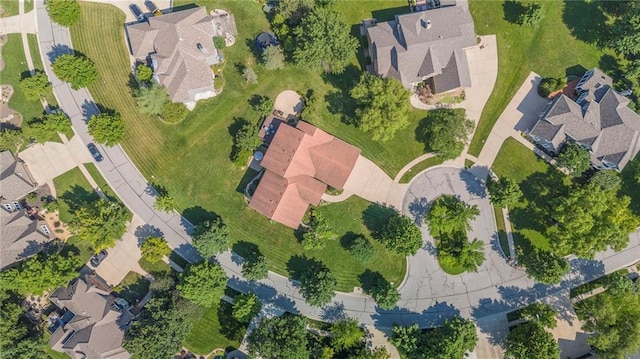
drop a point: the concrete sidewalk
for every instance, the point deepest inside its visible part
(23, 22)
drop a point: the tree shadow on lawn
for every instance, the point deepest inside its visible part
(338, 99)
(375, 217)
(347, 240)
(134, 292)
(197, 215)
(245, 249)
(78, 197)
(586, 21)
(298, 264)
(229, 327)
(630, 186)
(512, 11)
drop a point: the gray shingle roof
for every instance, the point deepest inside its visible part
(20, 237)
(601, 120)
(181, 48)
(422, 44)
(14, 183)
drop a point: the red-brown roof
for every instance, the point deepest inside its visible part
(299, 164)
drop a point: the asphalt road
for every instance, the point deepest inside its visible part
(428, 295)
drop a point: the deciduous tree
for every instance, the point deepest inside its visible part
(279, 337)
(203, 283)
(63, 12)
(40, 273)
(401, 236)
(544, 266)
(540, 313)
(245, 307)
(273, 58)
(606, 180)
(43, 129)
(324, 41)
(164, 203)
(78, 71)
(11, 139)
(574, 158)
(144, 73)
(504, 192)
(255, 267)
(317, 284)
(246, 140)
(471, 255)
(211, 237)
(346, 334)
(456, 337)
(36, 86)
(383, 106)
(154, 248)
(107, 129)
(100, 223)
(448, 214)
(445, 132)
(530, 340)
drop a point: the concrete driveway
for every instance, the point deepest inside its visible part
(123, 258)
(124, 6)
(51, 159)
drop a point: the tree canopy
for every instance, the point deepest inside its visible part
(211, 237)
(246, 140)
(36, 86)
(100, 223)
(445, 132)
(40, 273)
(383, 106)
(450, 341)
(346, 334)
(144, 73)
(78, 71)
(544, 266)
(317, 284)
(324, 41)
(173, 112)
(255, 267)
(107, 129)
(164, 203)
(382, 291)
(154, 248)
(362, 249)
(541, 313)
(203, 283)
(63, 12)
(530, 340)
(273, 58)
(574, 158)
(318, 231)
(279, 337)
(448, 214)
(41, 130)
(401, 236)
(151, 99)
(504, 192)
(245, 307)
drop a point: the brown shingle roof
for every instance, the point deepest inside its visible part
(299, 164)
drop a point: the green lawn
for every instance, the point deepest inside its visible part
(15, 67)
(10, 8)
(102, 183)
(28, 6)
(550, 49)
(32, 39)
(154, 268)
(502, 232)
(419, 167)
(540, 183)
(198, 148)
(216, 328)
(73, 190)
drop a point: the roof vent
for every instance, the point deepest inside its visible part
(425, 23)
(201, 48)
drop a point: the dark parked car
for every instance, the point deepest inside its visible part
(98, 258)
(135, 10)
(152, 7)
(94, 152)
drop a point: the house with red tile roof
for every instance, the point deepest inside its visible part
(299, 164)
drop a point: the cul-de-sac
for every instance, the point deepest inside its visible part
(318, 179)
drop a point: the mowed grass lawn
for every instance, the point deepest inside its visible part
(73, 190)
(191, 159)
(539, 181)
(32, 39)
(550, 49)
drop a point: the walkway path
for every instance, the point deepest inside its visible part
(23, 22)
(410, 165)
(428, 296)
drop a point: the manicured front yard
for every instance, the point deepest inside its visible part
(133, 287)
(73, 190)
(191, 159)
(562, 44)
(419, 167)
(32, 39)
(539, 183)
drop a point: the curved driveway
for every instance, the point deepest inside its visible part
(428, 295)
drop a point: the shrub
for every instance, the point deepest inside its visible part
(273, 58)
(219, 42)
(549, 85)
(151, 99)
(249, 75)
(144, 73)
(173, 112)
(362, 249)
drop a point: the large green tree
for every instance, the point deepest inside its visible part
(246, 140)
(279, 337)
(543, 266)
(541, 313)
(63, 12)
(401, 236)
(100, 223)
(448, 214)
(211, 237)
(107, 129)
(346, 334)
(362, 249)
(11, 139)
(245, 307)
(470, 255)
(380, 289)
(317, 284)
(383, 106)
(78, 71)
(445, 132)
(36, 86)
(318, 231)
(40, 273)
(159, 330)
(154, 248)
(504, 192)
(450, 341)
(324, 41)
(530, 340)
(43, 129)
(574, 158)
(203, 283)
(255, 266)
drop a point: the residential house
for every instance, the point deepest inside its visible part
(298, 166)
(599, 119)
(20, 235)
(179, 47)
(91, 322)
(424, 46)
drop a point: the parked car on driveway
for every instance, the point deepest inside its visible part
(152, 7)
(94, 152)
(135, 10)
(96, 259)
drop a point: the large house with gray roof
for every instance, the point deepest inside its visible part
(91, 322)
(424, 46)
(599, 119)
(179, 47)
(20, 236)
